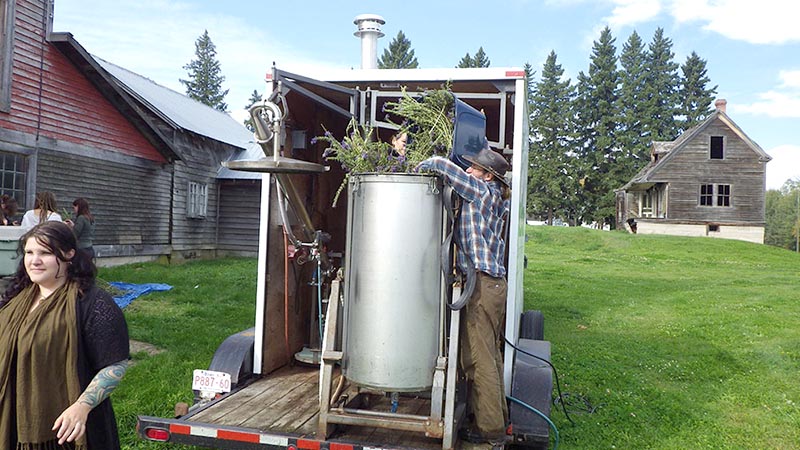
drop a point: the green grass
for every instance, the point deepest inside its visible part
(676, 343)
(209, 301)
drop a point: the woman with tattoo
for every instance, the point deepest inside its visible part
(63, 348)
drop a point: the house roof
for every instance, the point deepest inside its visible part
(179, 110)
(104, 83)
(667, 150)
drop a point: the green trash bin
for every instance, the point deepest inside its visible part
(9, 241)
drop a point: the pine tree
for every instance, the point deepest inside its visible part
(661, 97)
(633, 83)
(205, 82)
(479, 60)
(552, 180)
(399, 55)
(254, 98)
(597, 113)
(695, 99)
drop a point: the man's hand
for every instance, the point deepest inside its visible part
(424, 166)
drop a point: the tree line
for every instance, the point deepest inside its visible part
(588, 137)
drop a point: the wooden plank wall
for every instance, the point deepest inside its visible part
(740, 169)
(239, 209)
(131, 203)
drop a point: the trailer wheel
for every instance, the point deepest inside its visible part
(531, 326)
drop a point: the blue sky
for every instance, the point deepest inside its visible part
(752, 47)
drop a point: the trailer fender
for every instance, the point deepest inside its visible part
(532, 383)
(235, 356)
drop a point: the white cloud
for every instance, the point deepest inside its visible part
(632, 12)
(756, 22)
(785, 165)
(781, 101)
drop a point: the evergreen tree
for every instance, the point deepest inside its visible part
(479, 60)
(695, 98)
(254, 98)
(597, 114)
(399, 55)
(205, 82)
(551, 178)
(661, 97)
(633, 137)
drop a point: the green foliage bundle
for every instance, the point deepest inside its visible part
(428, 122)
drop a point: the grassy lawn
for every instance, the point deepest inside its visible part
(671, 343)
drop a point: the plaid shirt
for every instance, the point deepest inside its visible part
(480, 229)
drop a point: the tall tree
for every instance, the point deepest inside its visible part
(633, 137)
(662, 89)
(479, 60)
(695, 97)
(399, 55)
(205, 82)
(552, 180)
(254, 98)
(597, 114)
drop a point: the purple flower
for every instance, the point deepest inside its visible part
(314, 140)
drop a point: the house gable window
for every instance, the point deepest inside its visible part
(717, 147)
(6, 52)
(715, 195)
(197, 200)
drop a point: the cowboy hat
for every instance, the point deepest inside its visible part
(490, 161)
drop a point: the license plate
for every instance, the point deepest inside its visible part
(209, 380)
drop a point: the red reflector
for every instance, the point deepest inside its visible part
(291, 447)
(157, 434)
(180, 429)
(307, 445)
(515, 73)
(335, 446)
(238, 436)
(269, 76)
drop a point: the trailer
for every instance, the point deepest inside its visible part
(297, 379)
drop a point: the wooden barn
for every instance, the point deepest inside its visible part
(80, 127)
(710, 181)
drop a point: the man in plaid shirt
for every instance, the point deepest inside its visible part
(481, 248)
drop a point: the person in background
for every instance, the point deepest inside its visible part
(83, 226)
(9, 207)
(479, 235)
(399, 141)
(63, 348)
(44, 209)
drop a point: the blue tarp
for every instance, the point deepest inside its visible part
(132, 291)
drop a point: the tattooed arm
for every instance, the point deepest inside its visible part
(71, 424)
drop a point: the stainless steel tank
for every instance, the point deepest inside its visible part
(392, 281)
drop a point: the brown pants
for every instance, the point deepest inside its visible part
(481, 357)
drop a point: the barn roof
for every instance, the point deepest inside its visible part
(179, 110)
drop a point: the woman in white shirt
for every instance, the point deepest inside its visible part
(44, 209)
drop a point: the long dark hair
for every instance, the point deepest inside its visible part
(59, 239)
(83, 208)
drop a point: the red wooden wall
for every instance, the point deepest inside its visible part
(48, 93)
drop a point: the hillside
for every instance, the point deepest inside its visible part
(667, 342)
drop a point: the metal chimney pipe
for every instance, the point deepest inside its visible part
(369, 30)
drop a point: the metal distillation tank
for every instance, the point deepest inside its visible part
(393, 285)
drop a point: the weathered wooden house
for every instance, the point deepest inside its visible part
(710, 181)
(146, 158)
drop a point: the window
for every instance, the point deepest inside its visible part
(706, 195)
(197, 200)
(6, 52)
(13, 169)
(723, 195)
(717, 147)
(711, 192)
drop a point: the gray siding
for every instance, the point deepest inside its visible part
(691, 167)
(130, 201)
(239, 209)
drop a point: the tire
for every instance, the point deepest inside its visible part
(531, 326)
